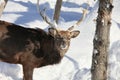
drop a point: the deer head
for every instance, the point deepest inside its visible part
(61, 37)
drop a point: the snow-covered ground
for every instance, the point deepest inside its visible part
(77, 62)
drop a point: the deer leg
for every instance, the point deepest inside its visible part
(27, 72)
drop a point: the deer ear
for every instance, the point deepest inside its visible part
(52, 31)
(74, 34)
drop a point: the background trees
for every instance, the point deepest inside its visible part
(2, 6)
(57, 10)
(101, 41)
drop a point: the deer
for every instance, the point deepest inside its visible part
(34, 48)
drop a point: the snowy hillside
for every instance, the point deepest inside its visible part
(77, 62)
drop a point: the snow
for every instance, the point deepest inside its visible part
(114, 61)
(95, 51)
(77, 62)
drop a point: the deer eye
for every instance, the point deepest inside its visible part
(68, 38)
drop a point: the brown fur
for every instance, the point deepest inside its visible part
(31, 47)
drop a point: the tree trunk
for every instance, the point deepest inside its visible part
(57, 10)
(101, 41)
(2, 6)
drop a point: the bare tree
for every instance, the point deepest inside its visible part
(2, 6)
(101, 41)
(57, 10)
